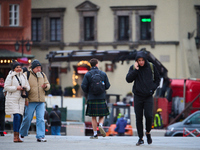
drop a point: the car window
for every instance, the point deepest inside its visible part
(195, 119)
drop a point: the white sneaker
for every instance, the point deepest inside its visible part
(41, 140)
(21, 137)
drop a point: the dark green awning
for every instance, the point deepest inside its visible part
(10, 54)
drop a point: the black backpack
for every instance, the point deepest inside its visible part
(97, 84)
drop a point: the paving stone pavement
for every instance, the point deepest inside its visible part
(102, 143)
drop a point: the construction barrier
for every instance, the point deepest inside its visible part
(194, 133)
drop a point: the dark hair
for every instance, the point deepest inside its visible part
(24, 69)
(93, 62)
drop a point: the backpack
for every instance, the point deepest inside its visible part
(97, 84)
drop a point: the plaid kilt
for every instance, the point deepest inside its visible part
(97, 108)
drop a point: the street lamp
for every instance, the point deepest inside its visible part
(27, 44)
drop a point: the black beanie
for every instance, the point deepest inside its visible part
(15, 64)
(35, 63)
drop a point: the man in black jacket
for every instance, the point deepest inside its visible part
(96, 104)
(146, 80)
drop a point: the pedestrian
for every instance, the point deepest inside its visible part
(158, 122)
(55, 117)
(15, 83)
(35, 101)
(2, 106)
(146, 80)
(94, 84)
(121, 125)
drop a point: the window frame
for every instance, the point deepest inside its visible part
(13, 14)
(140, 13)
(87, 9)
(46, 14)
(117, 14)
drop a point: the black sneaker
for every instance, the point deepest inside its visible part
(140, 141)
(94, 137)
(149, 139)
(1, 133)
(41, 140)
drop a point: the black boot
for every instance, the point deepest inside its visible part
(149, 139)
(1, 134)
(140, 141)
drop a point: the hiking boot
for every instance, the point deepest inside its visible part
(149, 139)
(21, 138)
(102, 131)
(94, 137)
(140, 141)
(41, 140)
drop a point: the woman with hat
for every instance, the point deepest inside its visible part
(15, 83)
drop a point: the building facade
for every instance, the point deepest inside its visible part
(166, 28)
(15, 32)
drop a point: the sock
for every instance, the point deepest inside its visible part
(95, 133)
(100, 124)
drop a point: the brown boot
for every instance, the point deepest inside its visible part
(16, 137)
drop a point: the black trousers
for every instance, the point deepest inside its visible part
(143, 105)
(2, 120)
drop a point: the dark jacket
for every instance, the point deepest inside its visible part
(144, 84)
(55, 119)
(121, 125)
(2, 99)
(86, 84)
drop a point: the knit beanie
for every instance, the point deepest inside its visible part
(15, 64)
(35, 63)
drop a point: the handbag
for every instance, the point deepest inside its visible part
(24, 93)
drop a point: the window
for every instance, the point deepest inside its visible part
(123, 29)
(122, 25)
(36, 29)
(55, 29)
(88, 28)
(47, 27)
(14, 15)
(145, 28)
(195, 119)
(88, 22)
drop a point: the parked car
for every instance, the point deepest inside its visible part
(190, 123)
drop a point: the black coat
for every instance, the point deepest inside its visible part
(144, 84)
(2, 99)
(55, 119)
(86, 84)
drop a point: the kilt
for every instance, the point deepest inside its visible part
(97, 108)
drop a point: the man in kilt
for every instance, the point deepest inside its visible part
(96, 104)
